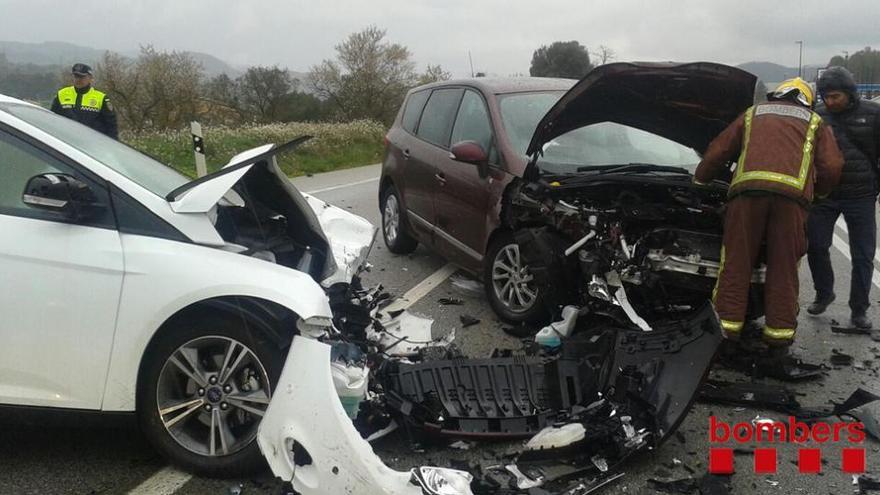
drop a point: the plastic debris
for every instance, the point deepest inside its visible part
(461, 445)
(553, 437)
(468, 320)
(235, 489)
(600, 462)
(839, 358)
(450, 301)
(467, 285)
(523, 482)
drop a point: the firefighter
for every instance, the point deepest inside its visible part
(786, 156)
(85, 104)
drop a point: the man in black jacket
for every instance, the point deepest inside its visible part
(85, 104)
(856, 126)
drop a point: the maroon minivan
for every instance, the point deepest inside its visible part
(452, 150)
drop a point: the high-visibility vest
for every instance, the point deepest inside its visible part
(92, 100)
(797, 182)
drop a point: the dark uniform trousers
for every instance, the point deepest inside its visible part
(751, 218)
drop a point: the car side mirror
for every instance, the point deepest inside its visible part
(471, 152)
(61, 193)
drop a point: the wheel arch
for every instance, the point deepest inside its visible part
(272, 321)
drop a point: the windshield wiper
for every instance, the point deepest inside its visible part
(636, 167)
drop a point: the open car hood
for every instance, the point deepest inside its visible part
(200, 195)
(688, 103)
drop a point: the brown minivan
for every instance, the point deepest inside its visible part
(452, 150)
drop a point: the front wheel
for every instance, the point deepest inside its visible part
(510, 287)
(204, 388)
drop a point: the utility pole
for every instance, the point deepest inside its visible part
(800, 56)
(471, 60)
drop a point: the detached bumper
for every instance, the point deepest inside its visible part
(309, 440)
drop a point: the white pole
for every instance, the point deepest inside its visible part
(198, 148)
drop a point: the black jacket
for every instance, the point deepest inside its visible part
(102, 121)
(857, 131)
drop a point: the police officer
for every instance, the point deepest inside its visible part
(786, 155)
(85, 104)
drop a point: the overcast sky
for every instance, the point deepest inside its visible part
(501, 35)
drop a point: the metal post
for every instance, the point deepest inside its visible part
(800, 56)
(198, 148)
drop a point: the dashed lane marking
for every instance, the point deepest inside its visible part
(165, 482)
(342, 186)
(422, 288)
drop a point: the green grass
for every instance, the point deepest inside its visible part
(334, 146)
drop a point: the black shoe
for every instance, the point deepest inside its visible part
(875, 335)
(819, 306)
(861, 321)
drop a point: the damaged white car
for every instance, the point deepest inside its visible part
(126, 287)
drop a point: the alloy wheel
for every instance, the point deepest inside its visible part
(211, 394)
(511, 280)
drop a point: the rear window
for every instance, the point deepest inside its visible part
(413, 110)
(436, 123)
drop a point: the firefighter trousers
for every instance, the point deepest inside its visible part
(751, 219)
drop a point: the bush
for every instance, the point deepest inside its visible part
(333, 146)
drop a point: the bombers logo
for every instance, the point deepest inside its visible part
(721, 460)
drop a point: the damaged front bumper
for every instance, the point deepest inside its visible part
(605, 395)
(309, 440)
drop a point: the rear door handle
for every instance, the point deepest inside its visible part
(406, 154)
(440, 177)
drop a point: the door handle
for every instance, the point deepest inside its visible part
(405, 154)
(441, 178)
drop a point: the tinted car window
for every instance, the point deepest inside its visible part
(413, 110)
(472, 123)
(436, 123)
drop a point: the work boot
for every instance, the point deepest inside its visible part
(875, 335)
(860, 320)
(820, 304)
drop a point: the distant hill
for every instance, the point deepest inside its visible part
(770, 72)
(59, 53)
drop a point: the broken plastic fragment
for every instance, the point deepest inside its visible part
(466, 285)
(468, 320)
(553, 437)
(450, 301)
(640, 322)
(523, 482)
(600, 462)
(552, 334)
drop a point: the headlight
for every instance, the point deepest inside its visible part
(314, 327)
(442, 481)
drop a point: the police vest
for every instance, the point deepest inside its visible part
(92, 100)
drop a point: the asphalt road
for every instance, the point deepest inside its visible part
(93, 460)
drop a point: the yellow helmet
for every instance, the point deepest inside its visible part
(786, 88)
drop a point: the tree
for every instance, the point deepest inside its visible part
(604, 55)
(434, 73)
(864, 64)
(561, 59)
(368, 79)
(262, 90)
(158, 90)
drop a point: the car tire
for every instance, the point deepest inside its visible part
(502, 260)
(394, 227)
(169, 379)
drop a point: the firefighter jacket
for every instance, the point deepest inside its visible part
(783, 148)
(87, 106)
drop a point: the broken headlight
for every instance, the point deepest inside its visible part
(315, 327)
(442, 481)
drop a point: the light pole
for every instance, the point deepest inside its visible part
(800, 56)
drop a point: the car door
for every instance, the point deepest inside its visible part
(462, 197)
(60, 283)
(428, 150)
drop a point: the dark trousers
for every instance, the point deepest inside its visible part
(859, 215)
(749, 221)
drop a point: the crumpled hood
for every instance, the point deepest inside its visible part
(688, 103)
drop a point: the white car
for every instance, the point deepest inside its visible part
(127, 287)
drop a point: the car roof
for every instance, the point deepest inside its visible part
(501, 85)
(9, 99)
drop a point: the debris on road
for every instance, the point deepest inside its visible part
(839, 358)
(467, 285)
(450, 301)
(850, 330)
(468, 320)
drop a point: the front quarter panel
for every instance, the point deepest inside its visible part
(162, 277)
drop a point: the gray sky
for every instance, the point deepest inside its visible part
(501, 35)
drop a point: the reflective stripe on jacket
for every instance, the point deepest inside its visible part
(783, 148)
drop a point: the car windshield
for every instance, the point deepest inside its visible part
(152, 175)
(605, 143)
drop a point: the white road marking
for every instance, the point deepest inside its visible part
(840, 223)
(165, 482)
(422, 288)
(342, 186)
(843, 247)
